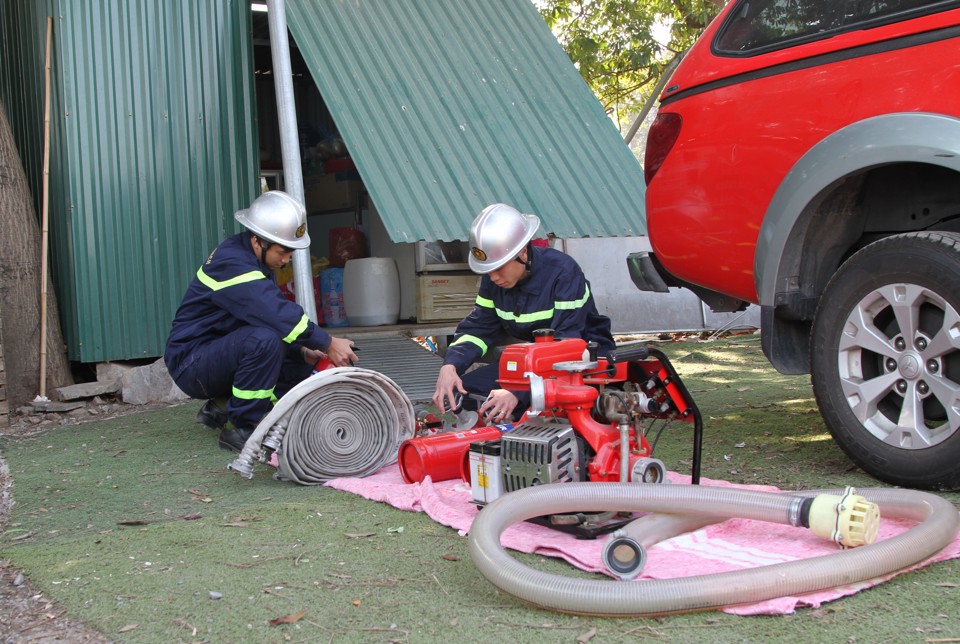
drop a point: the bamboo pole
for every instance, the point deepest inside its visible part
(45, 216)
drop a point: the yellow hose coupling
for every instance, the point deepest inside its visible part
(849, 520)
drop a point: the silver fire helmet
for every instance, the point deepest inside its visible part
(497, 235)
(277, 217)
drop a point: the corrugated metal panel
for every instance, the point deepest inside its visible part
(400, 358)
(23, 28)
(449, 105)
(154, 147)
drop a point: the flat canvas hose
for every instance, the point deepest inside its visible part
(939, 524)
(342, 422)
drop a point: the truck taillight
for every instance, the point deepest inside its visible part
(663, 134)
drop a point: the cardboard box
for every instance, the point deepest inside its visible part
(326, 193)
(446, 296)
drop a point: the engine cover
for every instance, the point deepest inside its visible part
(538, 451)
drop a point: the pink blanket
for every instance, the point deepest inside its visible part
(732, 545)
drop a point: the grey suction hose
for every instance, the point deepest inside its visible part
(342, 422)
(939, 524)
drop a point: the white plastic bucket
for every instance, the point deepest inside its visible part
(371, 291)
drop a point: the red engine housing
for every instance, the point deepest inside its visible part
(566, 383)
(570, 390)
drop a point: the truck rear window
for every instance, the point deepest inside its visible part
(758, 26)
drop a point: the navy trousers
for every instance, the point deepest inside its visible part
(253, 362)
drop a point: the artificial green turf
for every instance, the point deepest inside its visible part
(136, 526)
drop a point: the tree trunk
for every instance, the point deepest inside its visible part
(20, 285)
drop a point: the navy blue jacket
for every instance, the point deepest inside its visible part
(555, 295)
(232, 290)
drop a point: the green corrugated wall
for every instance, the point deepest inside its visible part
(153, 148)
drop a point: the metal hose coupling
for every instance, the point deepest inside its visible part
(342, 422)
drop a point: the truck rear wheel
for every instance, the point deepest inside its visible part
(886, 359)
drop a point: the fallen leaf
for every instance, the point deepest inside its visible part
(133, 522)
(288, 619)
(128, 628)
(589, 635)
(186, 624)
(359, 535)
(192, 517)
(236, 524)
(356, 602)
(449, 557)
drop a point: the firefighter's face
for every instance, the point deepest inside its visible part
(510, 273)
(276, 256)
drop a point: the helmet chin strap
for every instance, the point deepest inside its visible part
(528, 263)
(263, 250)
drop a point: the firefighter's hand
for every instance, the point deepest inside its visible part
(341, 352)
(311, 356)
(498, 407)
(448, 384)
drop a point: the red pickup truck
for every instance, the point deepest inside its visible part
(806, 158)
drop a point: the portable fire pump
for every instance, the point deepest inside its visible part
(590, 419)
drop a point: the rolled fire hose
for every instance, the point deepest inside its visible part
(341, 422)
(939, 524)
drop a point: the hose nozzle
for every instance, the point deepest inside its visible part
(849, 519)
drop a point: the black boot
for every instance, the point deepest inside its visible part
(212, 415)
(234, 439)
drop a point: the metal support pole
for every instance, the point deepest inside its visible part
(290, 144)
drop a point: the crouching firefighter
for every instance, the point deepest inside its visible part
(236, 340)
(524, 289)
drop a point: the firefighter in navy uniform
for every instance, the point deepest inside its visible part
(524, 288)
(235, 337)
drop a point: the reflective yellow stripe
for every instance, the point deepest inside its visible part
(525, 318)
(547, 314)
(214, 285)
(574, 304)
(472, 339)
(297, 330)
(255, 395)
(484, 302)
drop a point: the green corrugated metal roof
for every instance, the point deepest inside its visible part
(449, 105)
